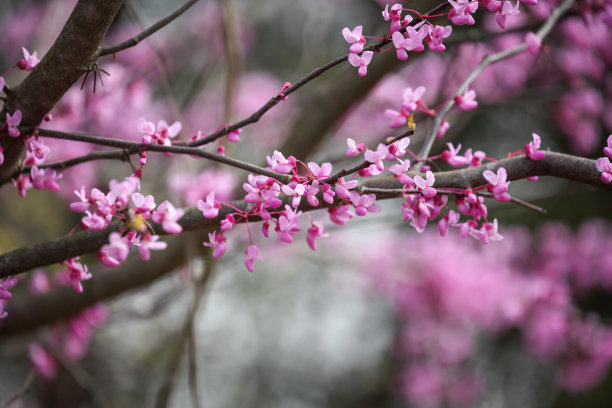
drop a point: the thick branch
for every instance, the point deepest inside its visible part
(74, 51)
(554, 164)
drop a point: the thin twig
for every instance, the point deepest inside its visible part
(486, 61)
(133, 147)
(146, 33)
(23, 391)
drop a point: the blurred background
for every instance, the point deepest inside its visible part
(379, 315)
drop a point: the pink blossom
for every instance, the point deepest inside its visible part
(279, 164)
(296, 190)
(531, 148)
(425, 185)
(250, 256)
(210, 207)
(93, 222)
(451, 156)
(353, 148)
(364, 203)
(44, 363)
(460, 14)
(413, 41)
(506, 10)
(399, 171)
(444, 126)
(498, 185)
(233, 136)
(227, 223)
(487, 232)
(29, 62)
(361, 61)
(314, 232)
(378, 156)
(115, 252)
(287, 224)
(342, 188)
(328, 194)
(340, 215)
(147, 243)
(36, 151)
(44, 178)
(534, 43)
(2, 83)
(395, 15)
(147, 129)
(77, 272)
(5, 286)
(218, 242)
(320, 171)
(311, 193)
(1, 155)
(412, 99)
(449, 219)
(608, 149)
(436, 35)
(355, 38)
(398, 148)
(143, 205)
(167, 215)
(467, 101)
(605, 167)
(12, 122)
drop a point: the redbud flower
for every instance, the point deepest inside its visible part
(436, 35)
(342, 188)
(77, 272)
(449, 219)
(5, 286)
(210, 207)
(353, 148)
(398, 149)
(608, 149)
(44, 178)
(115, 252)
(93, 222)
(425, 185)
(233, 136)
(395, 15)
(498, 185)
(44, 363)
(378, 156)
(218, 242)
(227, 223)
(1, 155)
(531, 148)
(399, 171)
(2, 83)
(444, 126)
(506, 10)
(412, 98)
(460, 13)
(320, 171)
(340, 215)
(355, 38)
(328, 194)
(287, 224)
(36, 151)
(12, 123)
(311, 193)
(364, 203)
(451, 156)
(488, 232)
(296, 190)
(167, 215)
(412, 42)
(467, 101)
(250, 256)
(534, 43)
(149, 242)
(29, 62)
(605, 167)
(314, 232)
(143, 205)
(279, 164)
(361, 62)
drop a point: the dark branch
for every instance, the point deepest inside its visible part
(146, 33)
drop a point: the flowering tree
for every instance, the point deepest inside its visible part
(390, 128)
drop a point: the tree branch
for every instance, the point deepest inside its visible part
(519, 167)
(74, 51)
(148, 32)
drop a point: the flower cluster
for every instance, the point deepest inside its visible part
(161, 134)
(357, 41)
(124, 202)
(603, 163)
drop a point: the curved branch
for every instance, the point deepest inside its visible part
(148, 32)
(519, 167)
